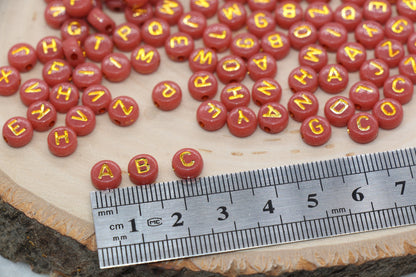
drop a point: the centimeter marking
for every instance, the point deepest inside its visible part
(270, 206)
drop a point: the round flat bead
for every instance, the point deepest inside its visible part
(302, 33)
(192, 23)
(377, 10)
(349, 15)
(97, 98)
(364, 95)
(398, 87)
(126, 36)
(169, 10)
(101, 21)
(41, 115)
(333, 78)
(302, 105)
(266, 90)
(217, 36)
(49, 48)
(276, 43)
(77, 28)
(411, 44)
(167, 95)
(338, 110)
(64, 96)
(264, 5)
(405, 8)
(208, 8)
(369, 33)
(145, 59)
(56, 71)
(332, 35)
(287, 13)
(155, 31)
(233, 14)
(203, 59)
(143, 169)
(17, 131)
(391, 51)
(351, 55)
(231, 69)
(314, 56)
(211, 115)
(106, 174)
(62, 141)
(319, 13)
(303, 78)
(187, 163)
(202, 85)
(81, 119)
(85, 75)
(375, 71)
(22, 56)
(116, 67)
(399, 28)
(235, 95)
(123, 111)
(389, 113)
(77, 8)
(261, 65)
(273, 118)
(260, 23)
(362, 128)
(245, 45)
(407, 67)
(9, 80)
(34, 90)
(73, 52)
(55, 14)
(242, 122)
(138, 15)
(179, 46)
(315, 130)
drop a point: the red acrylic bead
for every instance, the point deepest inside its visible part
(97, 98)
(169, 10)
(202, 85)
(349, 15)
(62, 141)
(302, 33)
(391, 51)
(49, 48)
(193, 23)
(143, 169)
(106, 174)
(266, 90)
(333, 78)
(276, 43)
(85, 75)
(399, 28)
(242, 121)
(187, 163)
(77, 28)
(332, 35)
(315, 130)
(260, 23)
(231, 69)
(115, 5)
(406, 8)
(179, 46)
(77, 8)
(351, 55)
(273, 118)
(217, 36)
(123, 111)
(338, 110)
(369, 33)
(145, 59)
(377, 10)
(34, 90)
(319, 13)
(314, 56)
(73, 52)
(116, 67)
(287, 13)
(97, 46)
(364, 95)
(302, 105)
(208, 7)
(101, 21)
(139, 15)
(261, 65)
(245, 45)
(9, 80)
(155, 31)
(235, 95)
(233, 14)
(42, 115)
(17, 131)
(303, 78)
(375, 71)
(22, 56)
(362, 128)
(203, 59)
(56, 71)
(81, 119)
(389, 113)
(64, 96)
(264, 5)
(167, 95)
(126, 36)
(55, 14)
(407, 67)
(211, 115)
(398, 87)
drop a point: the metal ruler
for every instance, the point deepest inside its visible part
(270, 206)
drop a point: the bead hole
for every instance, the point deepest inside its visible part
(358, 107)
(204, 97)
(5, 139)
(291, 115)
(109, 29)
(257, 103)
(52, 123)
(102, 110)
(156, 104)
(181, 58)
(201, 124)
(29, 67)
(74, 56)
(267, 129)
(117, 122)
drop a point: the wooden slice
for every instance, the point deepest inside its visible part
(46, 198)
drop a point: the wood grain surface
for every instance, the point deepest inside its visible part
(55, 191)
